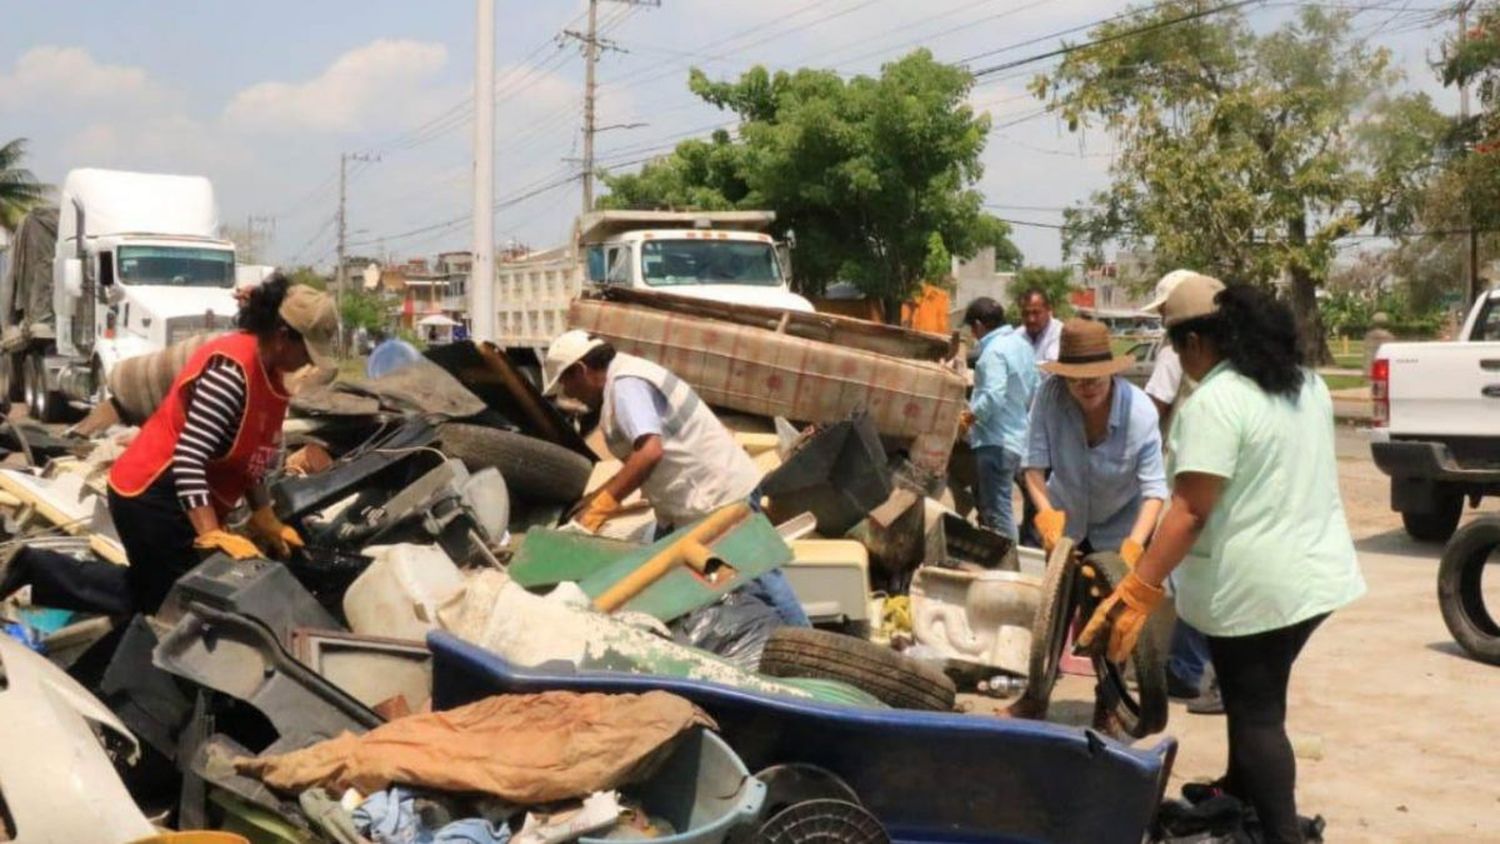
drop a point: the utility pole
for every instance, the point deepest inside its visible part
(255, 242)
(340, 285)
(482, 266)
(1463, 112)
(591, 48)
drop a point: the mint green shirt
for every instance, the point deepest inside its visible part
(1276, 549)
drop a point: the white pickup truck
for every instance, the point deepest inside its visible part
(1436, 427)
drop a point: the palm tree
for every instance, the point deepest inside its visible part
(19, 190)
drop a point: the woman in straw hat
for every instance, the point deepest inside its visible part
(1256, 526)
(1099, 436)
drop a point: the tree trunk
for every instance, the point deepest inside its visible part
(1310, 331)
(890, 310)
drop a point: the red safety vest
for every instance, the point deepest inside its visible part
(256, 444)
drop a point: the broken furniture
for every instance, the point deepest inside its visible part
(927, 776)
(57, 782)
(687, 569)
(839, 474)
(977, 619)
(68, 501)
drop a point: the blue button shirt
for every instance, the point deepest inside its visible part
(1100, 488)
(1005, 378)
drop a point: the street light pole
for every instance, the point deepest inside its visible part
(482, 269)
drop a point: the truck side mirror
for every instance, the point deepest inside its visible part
(73, 276)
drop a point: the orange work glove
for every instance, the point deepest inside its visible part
(232, 544)
(271, 534)
(965, 422)
(1117, 623)
(597, 510)
(1050, 524)
(1131, 551)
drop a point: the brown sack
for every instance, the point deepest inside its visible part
(527, 749)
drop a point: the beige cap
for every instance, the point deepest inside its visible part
(312, 314)
(1191, 298)
(1166, 285)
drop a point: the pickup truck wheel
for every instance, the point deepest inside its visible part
(1461, 589)
(1439, 524)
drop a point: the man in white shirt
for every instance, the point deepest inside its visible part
(1043, 330)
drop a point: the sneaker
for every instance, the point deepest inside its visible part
(1197, 792)
(1180, 689)
(1208, 703)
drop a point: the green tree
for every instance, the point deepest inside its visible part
(1245, 155)
(19, 190)
(361, 309)
(308, 276)
(937, 267)
(1057, 283)
(866, 170)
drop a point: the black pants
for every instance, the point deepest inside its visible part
(1253, 673)
(158, 540)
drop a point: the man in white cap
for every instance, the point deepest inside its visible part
(1167, 387)
(674, 450)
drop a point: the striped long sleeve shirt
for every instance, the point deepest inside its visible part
(214, 414)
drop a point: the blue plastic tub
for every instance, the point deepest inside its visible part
(928, 776)
(702, 789)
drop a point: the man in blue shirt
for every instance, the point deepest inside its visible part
(1005, 377)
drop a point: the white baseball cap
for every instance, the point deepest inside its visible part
(568, 349)
(1167, 284)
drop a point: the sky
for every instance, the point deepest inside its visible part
(264, 98)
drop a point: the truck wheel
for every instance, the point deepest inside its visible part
(11, 387)
(1461, 589)
(1439, 524)
(40, 402)
(535, 470)
(893, 679)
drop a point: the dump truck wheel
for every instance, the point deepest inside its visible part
(1461, 589)
(43, 404)
(1143, 711)
(535, 470)
(1049, 631)
(891, 678)
(11, 387)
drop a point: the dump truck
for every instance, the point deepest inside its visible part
(126, 264)
(721, 256)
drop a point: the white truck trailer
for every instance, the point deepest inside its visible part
(724, 256)
(135, 265)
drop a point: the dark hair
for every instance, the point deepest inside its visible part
(261, 314)
(598, 357)
(1034, 291)
(1257, 335)
(985, 311)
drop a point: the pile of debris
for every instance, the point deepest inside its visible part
(442, 663)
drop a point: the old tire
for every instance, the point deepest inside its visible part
(1461, 592)
(1438, 525)
(1142, 711)
(534, 470)
(891, 678)
(1049, 631)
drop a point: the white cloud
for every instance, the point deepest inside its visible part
(383, 81)
(49, 76)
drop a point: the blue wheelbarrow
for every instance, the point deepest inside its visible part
(927, 776)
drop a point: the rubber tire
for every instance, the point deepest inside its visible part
(891, 678)
(11, 387)
(535, 470)
(1437, 526)
(1049, 630)
(41, 403)
(1460, 592)
(1145, 712)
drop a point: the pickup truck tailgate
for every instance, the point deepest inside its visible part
(1444, 389)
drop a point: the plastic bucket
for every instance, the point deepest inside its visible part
(702, 789)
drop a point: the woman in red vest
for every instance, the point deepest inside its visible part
(213, 439)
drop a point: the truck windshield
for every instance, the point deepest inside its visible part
(176, 266)
(666, 263)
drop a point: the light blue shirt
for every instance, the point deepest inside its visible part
(1005, 378)
(1100, 488)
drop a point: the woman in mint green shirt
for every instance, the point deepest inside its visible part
(1255, 531)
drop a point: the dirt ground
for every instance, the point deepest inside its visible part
(1394, 728)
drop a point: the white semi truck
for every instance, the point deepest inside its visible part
(135, 264)
(725, 256)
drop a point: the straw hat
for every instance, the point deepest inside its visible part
(1084, 352)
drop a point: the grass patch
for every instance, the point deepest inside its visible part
(1345, 382)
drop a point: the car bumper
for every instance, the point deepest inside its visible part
(1427, 460)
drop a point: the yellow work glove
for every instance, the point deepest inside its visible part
(1050, 524)
(232, 544)
(1131, 551)
(1117, 623)
(597, 511)
(272, 534)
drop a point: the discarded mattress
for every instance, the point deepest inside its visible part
(929, 777)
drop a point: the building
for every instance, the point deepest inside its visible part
(981, 275)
